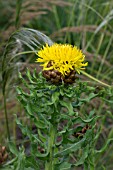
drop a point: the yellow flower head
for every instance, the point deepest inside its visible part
(63, 58)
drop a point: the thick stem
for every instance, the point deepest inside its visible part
(51, 144)
(6, 118)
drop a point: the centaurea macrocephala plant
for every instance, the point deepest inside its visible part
(65, 138)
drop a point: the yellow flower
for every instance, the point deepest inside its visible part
(63, 58)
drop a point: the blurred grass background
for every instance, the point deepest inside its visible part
(87, 24)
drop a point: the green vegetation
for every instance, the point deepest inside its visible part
(85, 23)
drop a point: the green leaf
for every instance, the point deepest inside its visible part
(85, 152)
(55, 97)
(42, 137)
(30, 77)
(24, 129)
(64, 116)
(109, 101)
(18, 89)
(91, 114)
(13, 148)
(21, 160)
(71, 148)
(43, 156)
(88, 120)
(68, 105)
(40, 124)
(104, 147)
(104, 168)
(29, 109)
(63, 166)
(91, 96)
(62, 91)
(32, 162)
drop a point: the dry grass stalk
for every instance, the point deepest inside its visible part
(78, 29)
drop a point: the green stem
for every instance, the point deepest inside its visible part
(6, 117)
(51, 143)
(89, 165)
(21, 53)
(85, 166)
(93, 78)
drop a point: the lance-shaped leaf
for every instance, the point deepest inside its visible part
(87, 99)
(63, 166)
(68, 105)
(71, 148)
(85, 153)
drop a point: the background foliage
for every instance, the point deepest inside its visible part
(85, 23)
